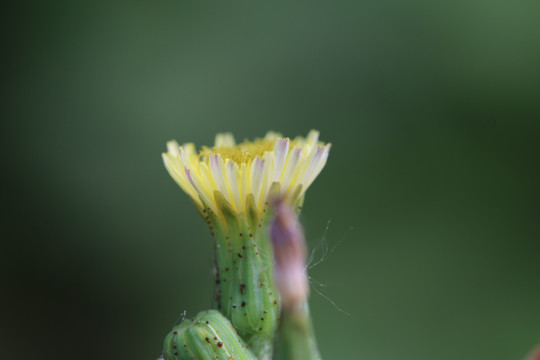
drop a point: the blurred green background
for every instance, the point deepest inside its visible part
(433, 111)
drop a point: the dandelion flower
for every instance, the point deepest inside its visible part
(237, 171)
(233, 186)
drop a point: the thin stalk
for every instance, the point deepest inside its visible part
(296, 337)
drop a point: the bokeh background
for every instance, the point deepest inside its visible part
(431, 191)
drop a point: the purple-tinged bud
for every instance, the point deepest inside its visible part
(289, 252)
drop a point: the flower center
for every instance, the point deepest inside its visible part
(242, 153)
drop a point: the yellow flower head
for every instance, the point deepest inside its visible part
(249, 168)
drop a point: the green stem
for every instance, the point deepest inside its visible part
(296, 338)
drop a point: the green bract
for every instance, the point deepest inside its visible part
(245, 290)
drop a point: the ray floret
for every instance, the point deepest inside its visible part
(238, 170)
